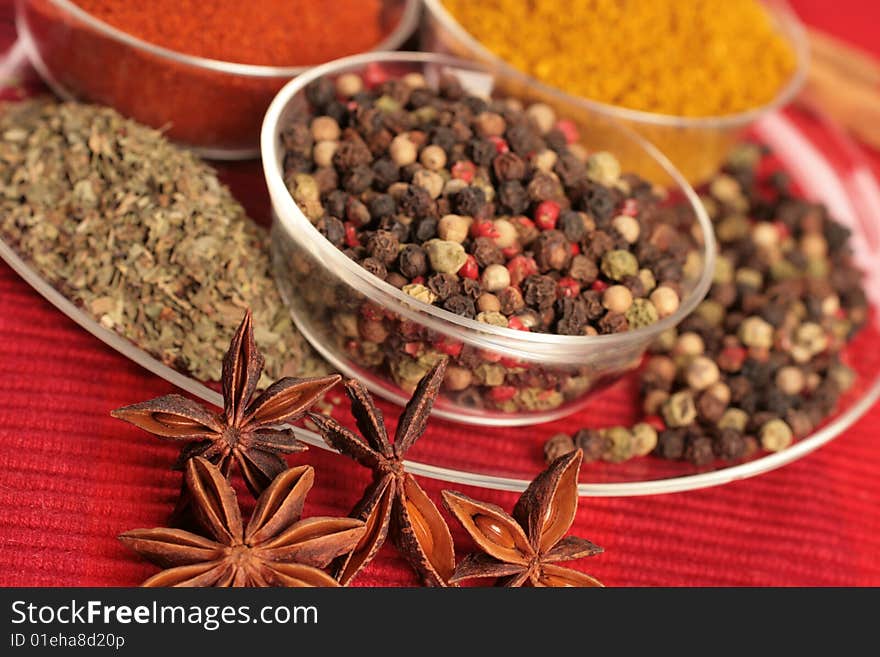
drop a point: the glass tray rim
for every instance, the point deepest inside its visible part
(864, 184)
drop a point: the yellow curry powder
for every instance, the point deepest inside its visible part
(684, 57)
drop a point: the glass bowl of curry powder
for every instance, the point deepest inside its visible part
(690, 77)
(202, 72)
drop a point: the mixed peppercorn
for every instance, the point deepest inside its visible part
(758, 364)
(489, 210)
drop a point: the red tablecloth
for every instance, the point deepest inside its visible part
(72, 478)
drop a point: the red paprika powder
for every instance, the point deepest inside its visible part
(78, 49)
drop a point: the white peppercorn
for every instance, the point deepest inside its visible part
(628, 227)
(325, 128)
(323, 152)
(644, 439)
(349, 84)
(665, 299)
(430, 181)
(790, 380)
(453, 227)
(756, 332)
(507, 235)
(495, 278)
(433, 157)
(543, 116)
(701, 373)
(403, 151)
(617, 298)
(776, 435)
(544, 160)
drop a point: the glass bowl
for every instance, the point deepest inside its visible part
(696, 145)
(213, 106)
(520, 377)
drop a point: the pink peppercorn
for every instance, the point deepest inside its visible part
(502, 393)
(569, 129)
(575, 249)
(630, 207)
(470, 268)
(568, 287)
(510, 251)
(372, 313)
(516, 324)
(374, 74)
(490, 356)
(484, 228)
(451, 348)
(500, 144)
(463, 170)
(413, 348)
(599, 285)
(520, 268)
(351, 235)
(546, 215)
(508, 361)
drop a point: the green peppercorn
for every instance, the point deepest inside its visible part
(420, 292)
(446, 256)
(641, 313)
(618, 264)
(494, 318)
(620, 444)
(489, 374)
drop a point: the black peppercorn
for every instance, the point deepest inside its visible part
(333, 230)
(539, 291)
(320, 92)
(385, 173)
(470, 201)
(425, 229)
(444, 285)
(461, 305)
(383, 246)
(670, 444)
(412, 261)
(591, 442)
(512, 197)
(482, 152)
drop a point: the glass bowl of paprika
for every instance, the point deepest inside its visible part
(386, 328)
(709, 109)
(172, 65)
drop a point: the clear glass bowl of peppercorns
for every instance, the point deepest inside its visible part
(427, 207)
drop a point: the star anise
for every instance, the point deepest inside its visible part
(525, 547)
(275, 549)
(246, 431)
(394, 502)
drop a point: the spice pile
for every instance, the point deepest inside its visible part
(693, 58)
(270, 32)
(758, 364)
(278, 548)
(485, 209)
(141, 234)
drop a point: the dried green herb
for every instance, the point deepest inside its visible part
(142, 235)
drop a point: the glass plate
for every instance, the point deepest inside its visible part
(820, 160)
